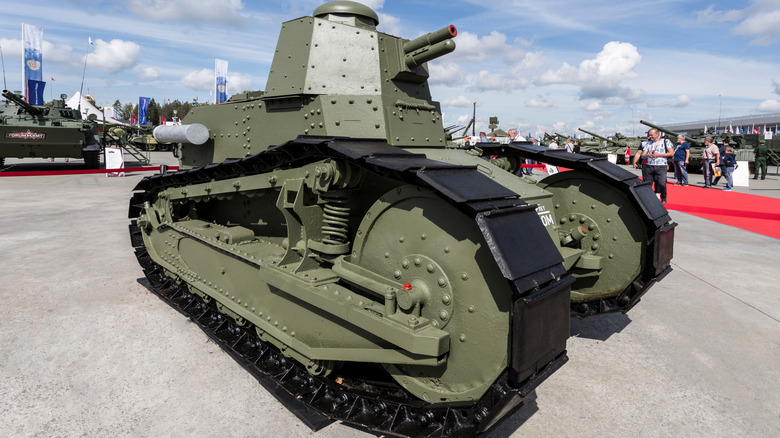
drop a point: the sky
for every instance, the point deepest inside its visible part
(551, 66)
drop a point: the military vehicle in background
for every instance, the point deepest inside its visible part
(322, 232)
(742, 149)
(46, 131)
(620, 145)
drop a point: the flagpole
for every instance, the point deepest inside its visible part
(84, 74)
(5, 87)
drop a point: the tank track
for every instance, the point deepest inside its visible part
(376, 406)
(654, 215)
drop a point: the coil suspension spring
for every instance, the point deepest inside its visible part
(335, 219)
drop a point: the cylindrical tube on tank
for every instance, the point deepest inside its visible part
(192, 134)
(430, 39)
(428, 53)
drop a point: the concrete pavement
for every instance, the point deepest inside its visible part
(86, 351)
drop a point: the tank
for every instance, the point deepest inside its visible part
(46, 131)
(620, 146)
(324, 235)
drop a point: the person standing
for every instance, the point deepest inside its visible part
(762, 153)
(569, 146)
(638, 155)
(682, 153)
(483, 137)
(576, 146)
(515, 136)
(657, 151)
(722, 167)
(728, 163)
(710, 158)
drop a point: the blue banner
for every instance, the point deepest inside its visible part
(32, 40)
(143, 105)
(35, 90)
(220, 74)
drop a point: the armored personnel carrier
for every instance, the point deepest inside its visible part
(46, 131)
(322, 233)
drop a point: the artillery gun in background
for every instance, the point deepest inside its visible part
(741, 149)
(46, 131)
(363, 270)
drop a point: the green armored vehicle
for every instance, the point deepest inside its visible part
(46, 131)
(620, 146)
(323, 234)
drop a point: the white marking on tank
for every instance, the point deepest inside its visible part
(545, 215)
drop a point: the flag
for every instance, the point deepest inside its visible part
(764, 127)
(755, 130)
(90, 41)
(35, 88)
(777, 130)
(220, 79)
(32, 43)
(143, 105)
(705, 129)
(52, 79)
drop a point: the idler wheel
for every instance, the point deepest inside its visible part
(451, 280)
(613, 232)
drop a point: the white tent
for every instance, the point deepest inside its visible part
(87, 108)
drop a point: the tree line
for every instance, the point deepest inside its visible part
(154, 111)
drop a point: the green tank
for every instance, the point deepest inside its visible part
(324, 235)
(46, 131)
(620, 145)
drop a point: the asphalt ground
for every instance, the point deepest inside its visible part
(85, 350)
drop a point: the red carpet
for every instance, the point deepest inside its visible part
(85, 171)
(758, 214)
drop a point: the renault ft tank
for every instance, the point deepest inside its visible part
(324, 235)
(46, 131)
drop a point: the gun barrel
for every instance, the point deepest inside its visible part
(19, 101)
(593, 134)
(193, 134)
(660, 128)
(428, 53)
(430, 39)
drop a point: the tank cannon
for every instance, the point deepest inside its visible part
(325, 225)
(30, 109)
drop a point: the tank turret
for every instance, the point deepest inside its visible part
(332, 74)
(32, 110)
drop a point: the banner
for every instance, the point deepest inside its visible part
(32, 43)
(220, 74)
(35, 90)
(143, 105)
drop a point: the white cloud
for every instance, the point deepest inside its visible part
(390, 24)
(56, 53)
(192, 11)
(760, 20)
(239, 82)
(680, 101)
(539, 103)
(115, 55)
(447, 73)
(769, 106)
(458, 102)
(148, 73)
(203, 80)
(601, 77)
(591, 106)
(776, 84)
(471, 48)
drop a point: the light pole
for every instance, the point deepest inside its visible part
(720, 107)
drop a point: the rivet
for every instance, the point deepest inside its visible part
(401, 239)
(442, 282)
(397, 274)
(430, 268)
(417, 261)
(596, 236)
(405, 264)
(471, 309)
(387, 255)
(444, 315)
(464, 276)
(423, 236)
(447, 249)
(462, 338)
(446, 299)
